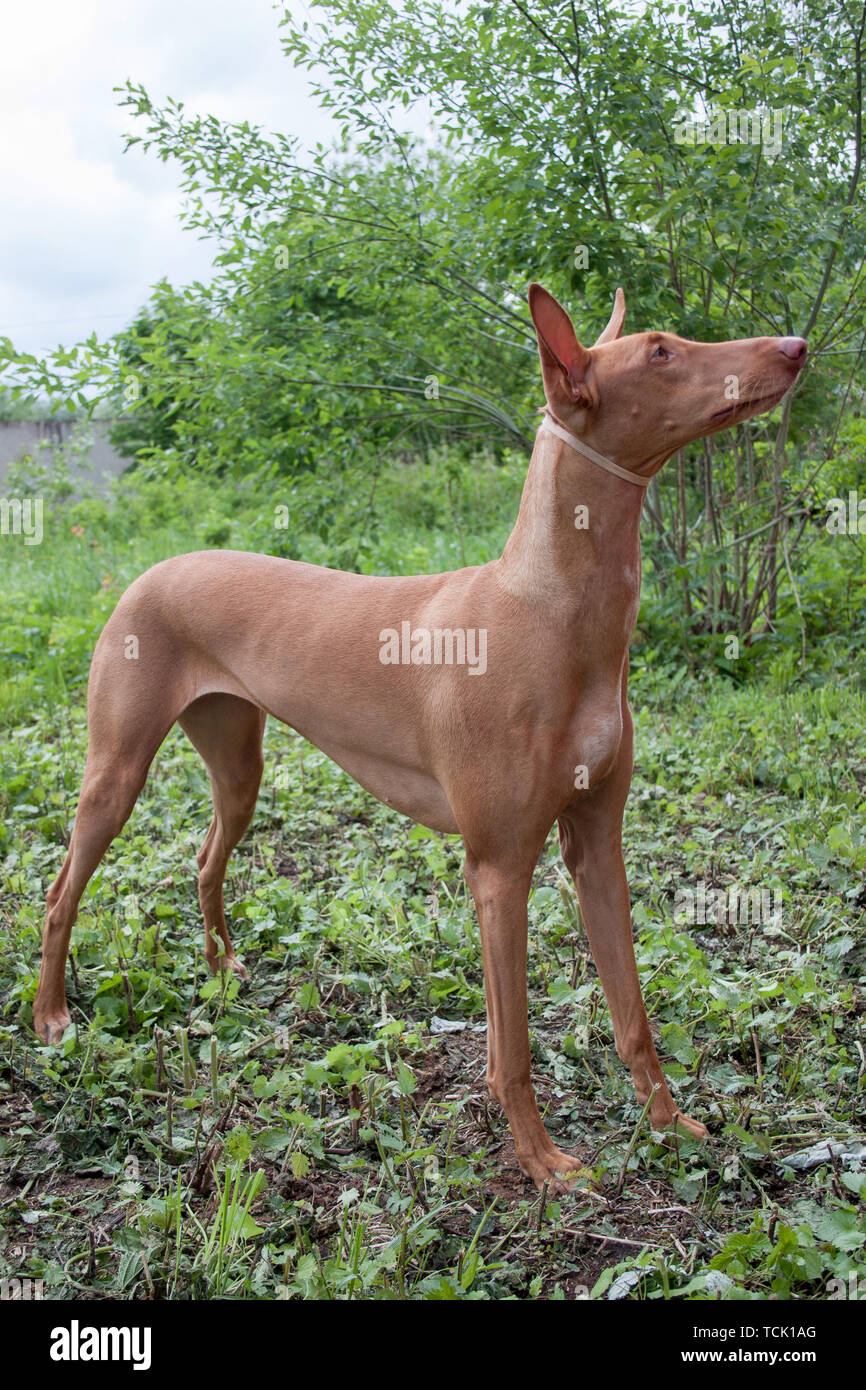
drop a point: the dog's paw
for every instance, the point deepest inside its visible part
(561, 1172)
(50, 1027)
(675, 1119)
(692, 1127)
(216, 963)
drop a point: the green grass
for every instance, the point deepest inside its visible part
(308, 1135)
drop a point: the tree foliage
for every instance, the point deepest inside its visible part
(371, 297)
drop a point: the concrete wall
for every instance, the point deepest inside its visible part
(42, 438)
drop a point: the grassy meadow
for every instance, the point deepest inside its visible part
(312, 1134)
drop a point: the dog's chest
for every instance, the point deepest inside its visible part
(595, 738)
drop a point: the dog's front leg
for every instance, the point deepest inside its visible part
(500, 897)
(591, 842)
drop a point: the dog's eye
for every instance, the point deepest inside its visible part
(659, 354)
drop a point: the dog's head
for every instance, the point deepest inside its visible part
(639, 398)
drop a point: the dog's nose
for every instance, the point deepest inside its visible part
(793, 348)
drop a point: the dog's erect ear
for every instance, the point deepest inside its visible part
(615, 322)
(564, 360)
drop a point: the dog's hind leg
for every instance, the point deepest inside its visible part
(121, 748)
(227, 732)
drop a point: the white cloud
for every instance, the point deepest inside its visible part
(86, 229)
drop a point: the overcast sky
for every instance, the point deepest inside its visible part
(87, 229)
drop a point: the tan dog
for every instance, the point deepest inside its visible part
(489, 702)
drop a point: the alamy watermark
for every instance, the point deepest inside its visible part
(22, 1289)
(700, 905)
(846, 518)
(77, 1343)
(22, 516)
(438, 646)
(735, 126)
(852, 1288)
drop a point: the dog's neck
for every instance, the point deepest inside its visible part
(556, 552)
